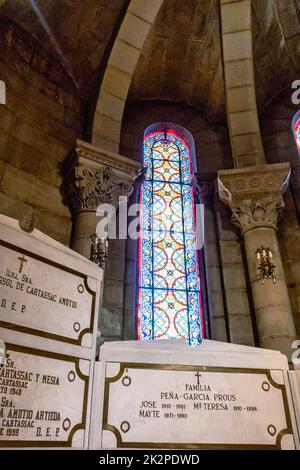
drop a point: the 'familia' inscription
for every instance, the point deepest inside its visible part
(202, 396)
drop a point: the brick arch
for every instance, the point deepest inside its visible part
(119, 72)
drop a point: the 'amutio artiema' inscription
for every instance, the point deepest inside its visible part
(43, 399)
(42, 298)
(187, 406)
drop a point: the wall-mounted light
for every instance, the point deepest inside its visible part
(266, 267)
(99, 250)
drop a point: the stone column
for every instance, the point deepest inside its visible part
(92, 177)
(296, 187)
(255, 196)
(204, 185)
(238, 65)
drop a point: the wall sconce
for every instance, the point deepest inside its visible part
(266, 268)
(99, 250)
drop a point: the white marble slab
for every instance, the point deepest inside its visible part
(44, 399)
(49, 298)
(2, 351)
(294, 377)
(168, 395)
(47, 291)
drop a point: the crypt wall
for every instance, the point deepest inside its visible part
(51, 86)
(174, 70)
(38, 127)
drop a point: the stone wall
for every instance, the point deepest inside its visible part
(38, 128)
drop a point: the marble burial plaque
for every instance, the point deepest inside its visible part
(179, 406)
(43, 298)
(2, 352)
(43, 399)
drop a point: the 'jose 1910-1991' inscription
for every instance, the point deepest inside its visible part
(177, 405)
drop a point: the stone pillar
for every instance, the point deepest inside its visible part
(255, 196)
(238, 64)
(204, 185)
(92, 177)
(296, 187)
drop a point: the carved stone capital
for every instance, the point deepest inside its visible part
(204, 185)
(255, 194)
(92, 177)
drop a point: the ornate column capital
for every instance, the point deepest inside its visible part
(92, 176)
(204, 185)
(255, 194)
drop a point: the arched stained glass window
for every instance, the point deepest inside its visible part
(296, 125)
(169, 286)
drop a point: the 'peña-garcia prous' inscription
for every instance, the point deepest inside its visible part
(42, 298)
(148, 405)
(43, 398)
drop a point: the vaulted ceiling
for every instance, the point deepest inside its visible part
(181, 59)
(276, 42)
(79, 31)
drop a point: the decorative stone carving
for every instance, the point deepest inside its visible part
(255, 194)
(92, 177)
(257, 214)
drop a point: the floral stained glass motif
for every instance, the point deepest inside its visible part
(169, 287)
(297, 134)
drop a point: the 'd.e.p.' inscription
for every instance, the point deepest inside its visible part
(40, 297)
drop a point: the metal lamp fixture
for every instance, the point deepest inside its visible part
(266, 267)
(99, 250)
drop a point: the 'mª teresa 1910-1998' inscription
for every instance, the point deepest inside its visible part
(41, 298)
(182, 406)
(42, 398)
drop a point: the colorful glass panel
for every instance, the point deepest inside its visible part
(297, 134)
(169, 287)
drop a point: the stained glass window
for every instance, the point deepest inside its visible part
(169, 287)
(297, 133)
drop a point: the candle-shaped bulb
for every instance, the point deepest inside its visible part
(258, 255)
(270, 254)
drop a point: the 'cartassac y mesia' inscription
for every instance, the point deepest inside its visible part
(157, 406)
(36, 404)
(38, 296)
